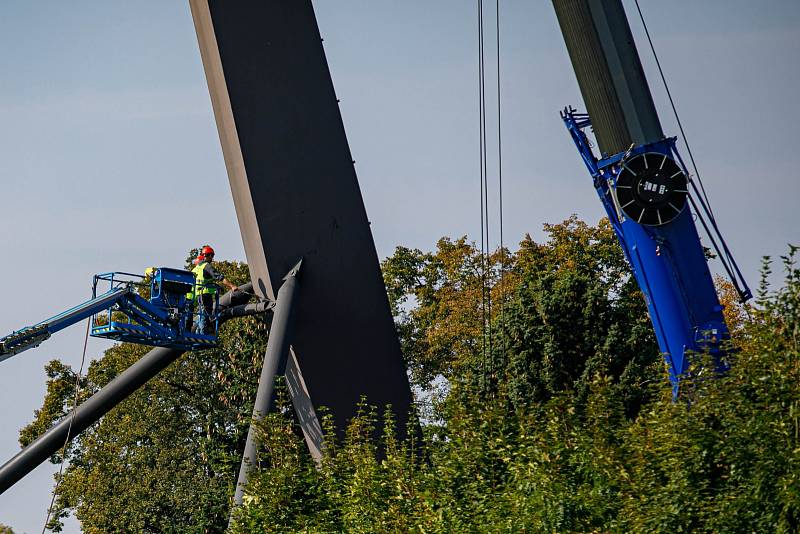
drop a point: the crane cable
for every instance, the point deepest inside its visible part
(674, 109)
(69, 428)
(486, 335)
(500, 183)
(486, 268)
(728, 263)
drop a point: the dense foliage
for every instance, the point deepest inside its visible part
(567, 424)
(546, 410)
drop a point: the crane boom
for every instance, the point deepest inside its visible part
(643, 184)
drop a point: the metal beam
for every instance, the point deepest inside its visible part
(296, 195)
(609, 72)
(274, 365)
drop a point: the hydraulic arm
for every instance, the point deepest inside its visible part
(120, 313)
(31, 336)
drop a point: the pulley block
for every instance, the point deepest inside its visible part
(651, 189)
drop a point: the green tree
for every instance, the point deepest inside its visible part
(576, 313)
(566, 424)
(437, 300)
(566, 448)
(563, 310)
(572, 352)
(728, 460)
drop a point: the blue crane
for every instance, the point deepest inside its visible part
(645, 187)
(645, 193)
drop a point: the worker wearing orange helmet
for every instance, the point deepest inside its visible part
(206, 281)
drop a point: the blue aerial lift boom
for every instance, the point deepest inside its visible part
(120, 313)
(168, 298)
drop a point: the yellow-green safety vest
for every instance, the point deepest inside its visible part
(201, 285)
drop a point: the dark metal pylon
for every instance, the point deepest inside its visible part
(280, 334)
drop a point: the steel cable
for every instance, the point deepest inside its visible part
(500, 181)
(484, 205)
(674, 109)
(69, 429)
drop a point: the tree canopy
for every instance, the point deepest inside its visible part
(567, 424)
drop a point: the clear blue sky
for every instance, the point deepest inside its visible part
(109, 157)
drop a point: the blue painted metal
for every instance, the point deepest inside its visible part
(165, 319)
(121, 313)
(668, 261)
(32, 336)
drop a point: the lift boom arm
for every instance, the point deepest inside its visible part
(32, 336)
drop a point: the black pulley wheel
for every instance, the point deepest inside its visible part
(651, 189)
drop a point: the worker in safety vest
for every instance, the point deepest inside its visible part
(206, 280)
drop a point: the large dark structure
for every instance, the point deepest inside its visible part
(297, 197)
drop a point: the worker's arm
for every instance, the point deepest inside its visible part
(217, 276)
(229, 285)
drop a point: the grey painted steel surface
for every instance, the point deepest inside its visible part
(609, 72)
(243, 310)
(280, 336)
(97, 405)
(297, 196)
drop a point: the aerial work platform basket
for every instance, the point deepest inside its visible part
(157, 310)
